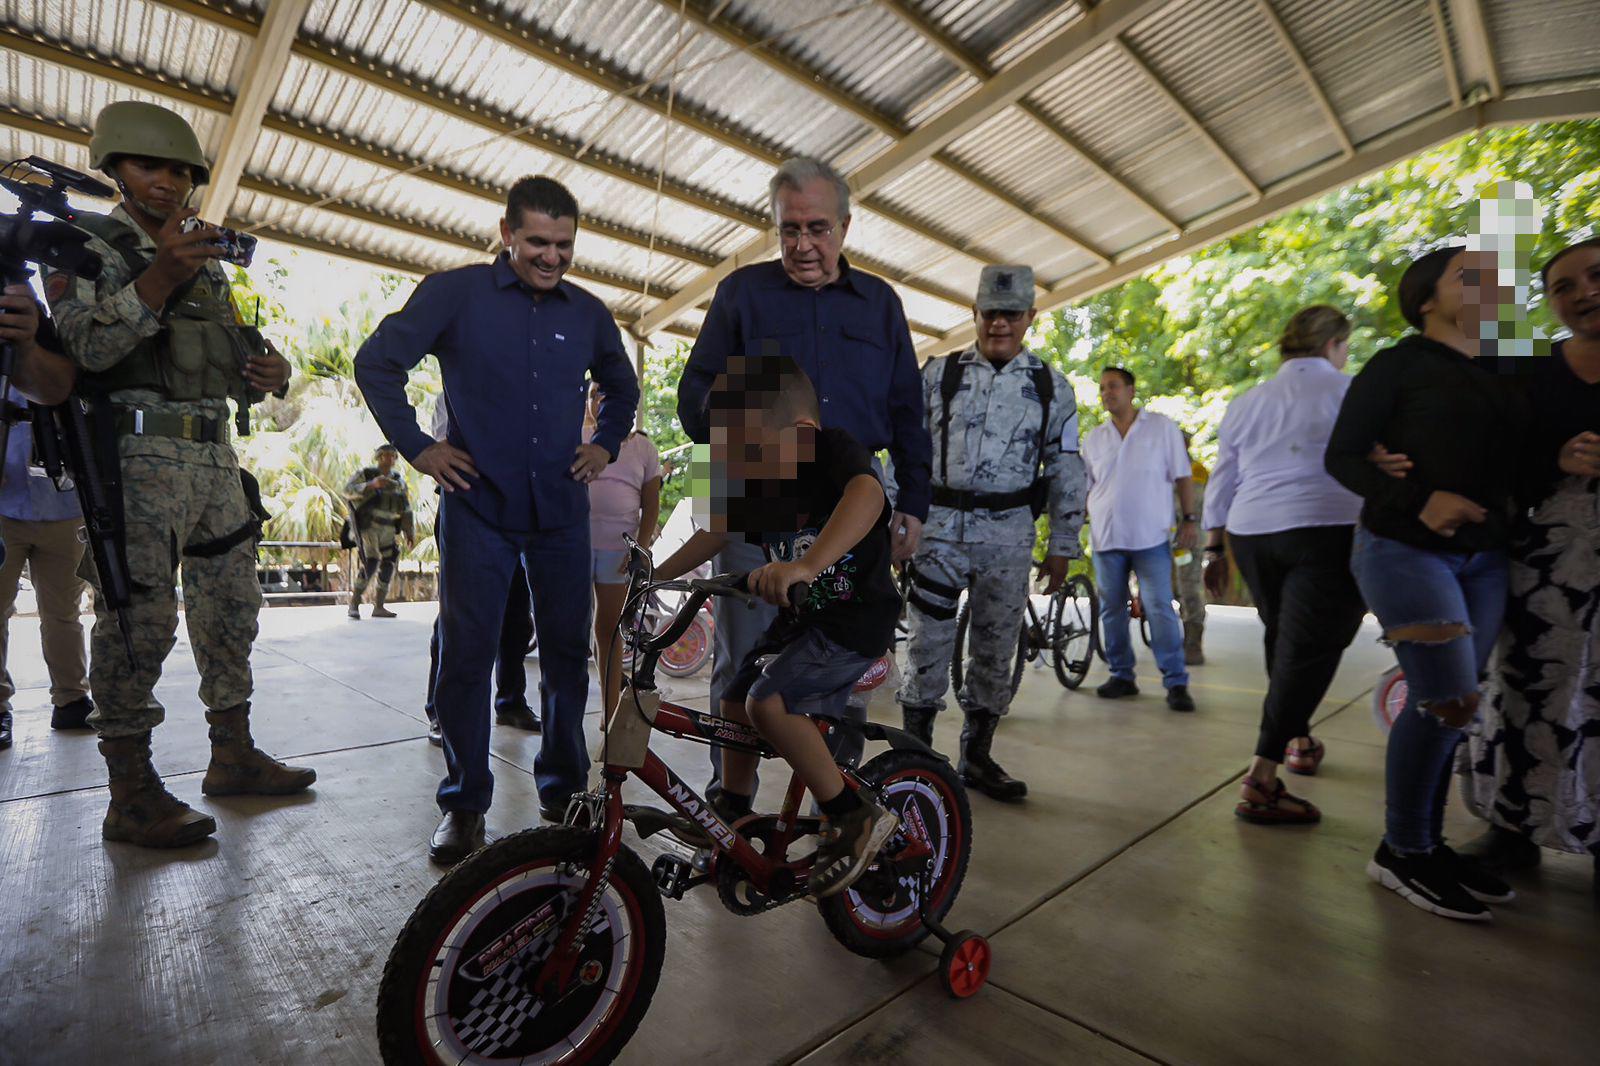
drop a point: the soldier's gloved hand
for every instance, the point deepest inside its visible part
(1054, 569)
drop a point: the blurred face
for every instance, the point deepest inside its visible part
(1337, 353)
(540, 248)
(1116, 395)
(746, 448)
(1450, 294)
(810, 233)
(158, 187)
(1574, 291)
(386, 461)
(1000, 333)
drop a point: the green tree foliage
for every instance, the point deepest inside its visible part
(1203, 327)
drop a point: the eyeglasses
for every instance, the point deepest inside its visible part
(1009, 316)
(817, 231)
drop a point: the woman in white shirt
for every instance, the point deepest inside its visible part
(1290, 526)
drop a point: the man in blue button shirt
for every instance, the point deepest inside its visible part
(848, 332)
(517, 346)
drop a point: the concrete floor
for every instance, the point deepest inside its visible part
(1133, 918)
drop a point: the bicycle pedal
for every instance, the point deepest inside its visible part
(672, 875)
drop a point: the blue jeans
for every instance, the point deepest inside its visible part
(476, 563)
(1154, 567)
(1406, 586)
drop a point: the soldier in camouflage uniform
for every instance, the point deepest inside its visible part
(1009, 416)
(381, 513)
(161, 350)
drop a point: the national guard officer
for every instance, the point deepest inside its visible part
(998, 417)
(380, 512)
(161, 350)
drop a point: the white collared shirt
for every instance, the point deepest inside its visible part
(1269, 475)
(1130, 481)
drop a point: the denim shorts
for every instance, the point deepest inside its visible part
(605, 564)
(812, 674)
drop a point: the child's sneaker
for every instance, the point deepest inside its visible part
(845, 854)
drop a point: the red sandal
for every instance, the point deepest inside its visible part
(1261, 807)
(1304, 762)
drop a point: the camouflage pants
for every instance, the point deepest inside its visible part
(171, 505)
(380, 551)
(996, 580)
(1192, 600)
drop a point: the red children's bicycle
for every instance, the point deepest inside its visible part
(546, 946)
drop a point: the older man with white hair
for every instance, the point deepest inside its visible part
(847, 330)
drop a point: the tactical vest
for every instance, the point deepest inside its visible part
(950, 384)
(200, 352)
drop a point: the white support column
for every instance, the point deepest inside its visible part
(263, 71)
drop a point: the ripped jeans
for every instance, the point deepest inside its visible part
(1462, 597)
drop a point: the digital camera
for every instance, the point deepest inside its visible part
(237, 248)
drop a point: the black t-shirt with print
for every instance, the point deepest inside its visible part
(853, 602)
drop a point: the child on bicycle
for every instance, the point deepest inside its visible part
(808, 495)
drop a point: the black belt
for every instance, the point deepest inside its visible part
(963, 500)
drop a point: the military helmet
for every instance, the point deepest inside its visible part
(132, 127)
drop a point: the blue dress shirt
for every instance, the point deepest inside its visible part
(849, 337)
(26, 498)
(516, 367)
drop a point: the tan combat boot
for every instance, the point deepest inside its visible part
(142, 811)
(239, 768)
(378, 609)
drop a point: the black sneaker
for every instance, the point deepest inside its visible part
(844, 854)
(1178, 698)
(1427, 881)
(1117, 688)
(1482, 885)
(74, 715)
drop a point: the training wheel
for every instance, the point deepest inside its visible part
(964, 966)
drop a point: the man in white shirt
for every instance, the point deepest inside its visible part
(1134, 460)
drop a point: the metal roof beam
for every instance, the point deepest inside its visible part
(1478, 68)
(1447, 58)
(1292, 50)
(815, 82)
(1420, 136)
(1190, 118)
(591, 70)
(1100, 24)
(979, 68)
(263, 70)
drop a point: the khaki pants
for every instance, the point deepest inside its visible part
(52, 552)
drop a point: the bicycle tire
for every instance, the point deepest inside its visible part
(474, 909)
(906, 780)
(958, 656)
(1071, 668)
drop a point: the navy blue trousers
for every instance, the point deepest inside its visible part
(476, 563)
(510, 672)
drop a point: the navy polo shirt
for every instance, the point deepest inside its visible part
(516, 367)
(849, 337)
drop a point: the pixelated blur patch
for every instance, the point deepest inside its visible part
(57, 284)
(1507, 220)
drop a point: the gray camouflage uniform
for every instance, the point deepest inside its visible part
(176, 493)
(994, 448)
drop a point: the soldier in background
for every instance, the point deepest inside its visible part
(1190, 572)
(380, 514)
(161, 350)
(1005, 446)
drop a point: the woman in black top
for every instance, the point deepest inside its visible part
(1536, 762)
(1430, 553)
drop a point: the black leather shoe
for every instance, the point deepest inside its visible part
(518, 718)
(1117, 688)
(435, 734)
(5, 729)
(1178, 698)
(460, 833)
(74, 715)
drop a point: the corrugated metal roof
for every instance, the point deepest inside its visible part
(476, 93)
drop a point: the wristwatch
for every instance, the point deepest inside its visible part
(1191, 518)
